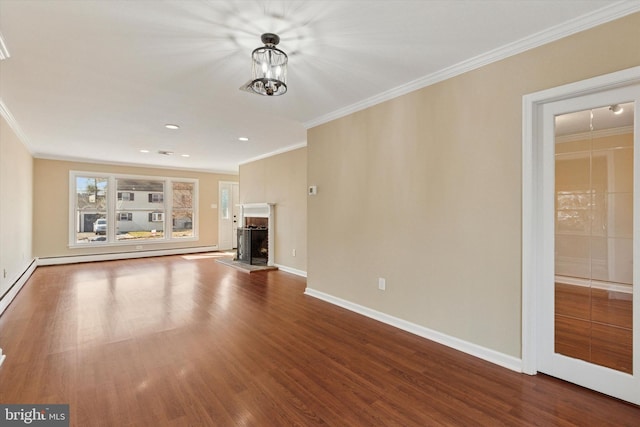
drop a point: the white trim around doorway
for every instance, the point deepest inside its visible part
(533, 240)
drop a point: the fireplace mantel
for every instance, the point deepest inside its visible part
(262, 210)
(258, 210)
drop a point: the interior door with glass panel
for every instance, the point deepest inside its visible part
(588, 304)
(225, 220)
(228, 215)
(235, 209)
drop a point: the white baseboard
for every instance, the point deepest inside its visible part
(124, 255)
(18, 283)
(291, 270)
(501, 359)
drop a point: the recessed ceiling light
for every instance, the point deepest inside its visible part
(617, 109)
(171, 126)
(144, 151)
(243, 138)
(185, 155)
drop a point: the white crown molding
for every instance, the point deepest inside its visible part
(129, 164)
(13, 124)
(4, 52)
(275, 153)
(603, 133)
(576, 25)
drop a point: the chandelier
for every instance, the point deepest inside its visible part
(268, 68)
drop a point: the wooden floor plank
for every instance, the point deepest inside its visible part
(179, 341)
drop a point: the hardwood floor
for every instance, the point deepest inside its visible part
(185, 341)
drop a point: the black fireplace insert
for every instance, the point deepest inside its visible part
(253, 245)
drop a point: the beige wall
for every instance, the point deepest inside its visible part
(16, 171)
(281, 179)
(51, 206)
(425, 191)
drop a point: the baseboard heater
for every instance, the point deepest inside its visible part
(17, 284)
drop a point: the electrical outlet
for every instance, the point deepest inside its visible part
(382, 283)
(293, 252)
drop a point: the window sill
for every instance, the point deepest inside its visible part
(132, 243)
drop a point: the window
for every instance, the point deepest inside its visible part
(156, 217)
(143, 225)
(90, 209)
(119, 209)
(224, 203)
(182, 214)
(156, 197)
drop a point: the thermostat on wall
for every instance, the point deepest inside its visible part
(313, 190)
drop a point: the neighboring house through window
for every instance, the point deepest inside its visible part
(134, 208)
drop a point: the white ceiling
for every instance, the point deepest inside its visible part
(97, 80)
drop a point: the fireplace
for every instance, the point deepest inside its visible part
(255, 237)
(255, 222)
(253, 245)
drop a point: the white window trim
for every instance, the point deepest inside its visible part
(112, 217)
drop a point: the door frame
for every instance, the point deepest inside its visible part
(534, 242)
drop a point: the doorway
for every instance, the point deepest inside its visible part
(581, 224)
(594, 193)
(228, 214)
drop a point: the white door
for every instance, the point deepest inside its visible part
(235, 197)
(227, 215)
(588, 297)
